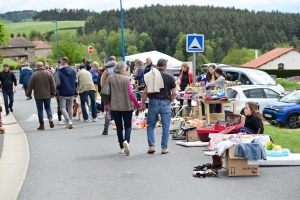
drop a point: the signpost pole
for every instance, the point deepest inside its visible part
(194, 69)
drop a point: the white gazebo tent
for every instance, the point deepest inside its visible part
(155, 56)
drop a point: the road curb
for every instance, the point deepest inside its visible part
(14, 160)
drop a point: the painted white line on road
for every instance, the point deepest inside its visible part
(35, 117)
(14, 160)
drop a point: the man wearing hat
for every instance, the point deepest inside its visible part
(8, 87)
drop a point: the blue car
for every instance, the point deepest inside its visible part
(285, 111)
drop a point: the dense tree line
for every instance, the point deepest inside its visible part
(18, 16)
(63, 15)
(223, 28)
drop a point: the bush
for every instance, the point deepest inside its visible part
(281, 73)
(288, 85)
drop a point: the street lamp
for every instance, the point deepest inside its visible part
(122, 29)
(58, 54)
(106, 38)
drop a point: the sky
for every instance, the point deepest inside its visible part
(289, 6)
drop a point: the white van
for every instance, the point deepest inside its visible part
(252, 77)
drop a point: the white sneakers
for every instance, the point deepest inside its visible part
(69, 125)
(121, 151)
(61, 122)
(86, 120)
(126, 148)
(95, 119)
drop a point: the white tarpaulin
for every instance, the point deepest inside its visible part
(155, 56)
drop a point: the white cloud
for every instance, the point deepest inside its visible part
(96, 5)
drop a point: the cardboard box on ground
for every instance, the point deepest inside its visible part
(238, 166)
(195, 110)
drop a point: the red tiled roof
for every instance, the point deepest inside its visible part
(267, 57)
(41, 45)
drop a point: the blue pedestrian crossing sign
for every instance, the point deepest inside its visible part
(194, 43)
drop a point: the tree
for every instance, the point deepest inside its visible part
(239, 56)
(179, 55)
(80, 31)
(12, 35)
(148, 45)
(131, 50)
(19, 34)
(4, 37)
(24, 35)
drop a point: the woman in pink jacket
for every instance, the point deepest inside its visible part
(186, 76)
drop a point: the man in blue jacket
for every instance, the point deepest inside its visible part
(66, 89)
(25, 75)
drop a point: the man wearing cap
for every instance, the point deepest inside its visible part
(160, 97)
(8, 87)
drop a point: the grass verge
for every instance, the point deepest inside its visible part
(288, 85)
(287, 138)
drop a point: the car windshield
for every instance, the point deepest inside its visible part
(292, 97)
(261, 79)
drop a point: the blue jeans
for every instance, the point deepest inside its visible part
(83, 99)
(162, 107)
(119, 118)
(39, 106)
(246, 130)
(8, 94)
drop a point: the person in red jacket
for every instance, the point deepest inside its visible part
(186, 76)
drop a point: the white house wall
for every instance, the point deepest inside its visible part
(291, 60)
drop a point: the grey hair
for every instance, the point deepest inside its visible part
(119, 66)
(95, 64)
(82, 66)
(162, 62)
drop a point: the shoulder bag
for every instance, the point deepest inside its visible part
(105, 92)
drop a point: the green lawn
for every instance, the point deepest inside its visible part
(287, 138)
(44, 26)
(288, 85)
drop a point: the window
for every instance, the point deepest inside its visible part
(254, 93)
(245, 80)
(26, 48)
(232, 76)
(231, 93)
(271, 93)
(280, 66)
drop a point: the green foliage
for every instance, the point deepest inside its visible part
(41, 59)
(4, 35)
(18, 16)
(288, 85)
(131, 50)
(179, 55)
(75, 52)
(200, 59)
(148, 45)
(64, 14)
(239, 56)
(35, 35)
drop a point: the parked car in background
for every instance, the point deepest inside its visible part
(285, 111)
(256, 93)
(252, 77)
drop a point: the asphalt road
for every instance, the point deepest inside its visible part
(83, 164)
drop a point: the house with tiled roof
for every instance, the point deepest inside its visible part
(42, 49)
(279, 58)
(19, 48)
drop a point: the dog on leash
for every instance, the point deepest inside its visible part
(77, 109)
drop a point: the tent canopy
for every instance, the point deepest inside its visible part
(155, 56)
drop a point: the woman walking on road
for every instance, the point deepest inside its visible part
(120, 104)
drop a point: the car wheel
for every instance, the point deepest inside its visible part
(293, 121)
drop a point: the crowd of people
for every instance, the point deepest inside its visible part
(82, 83)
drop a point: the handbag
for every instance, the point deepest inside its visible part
(105, 92)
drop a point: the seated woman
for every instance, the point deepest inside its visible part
(253, 122)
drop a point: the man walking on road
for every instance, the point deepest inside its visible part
(86, 88)
(8, 87)
(66, 87)
(160, 88)
(43, 85)
(25, 75)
